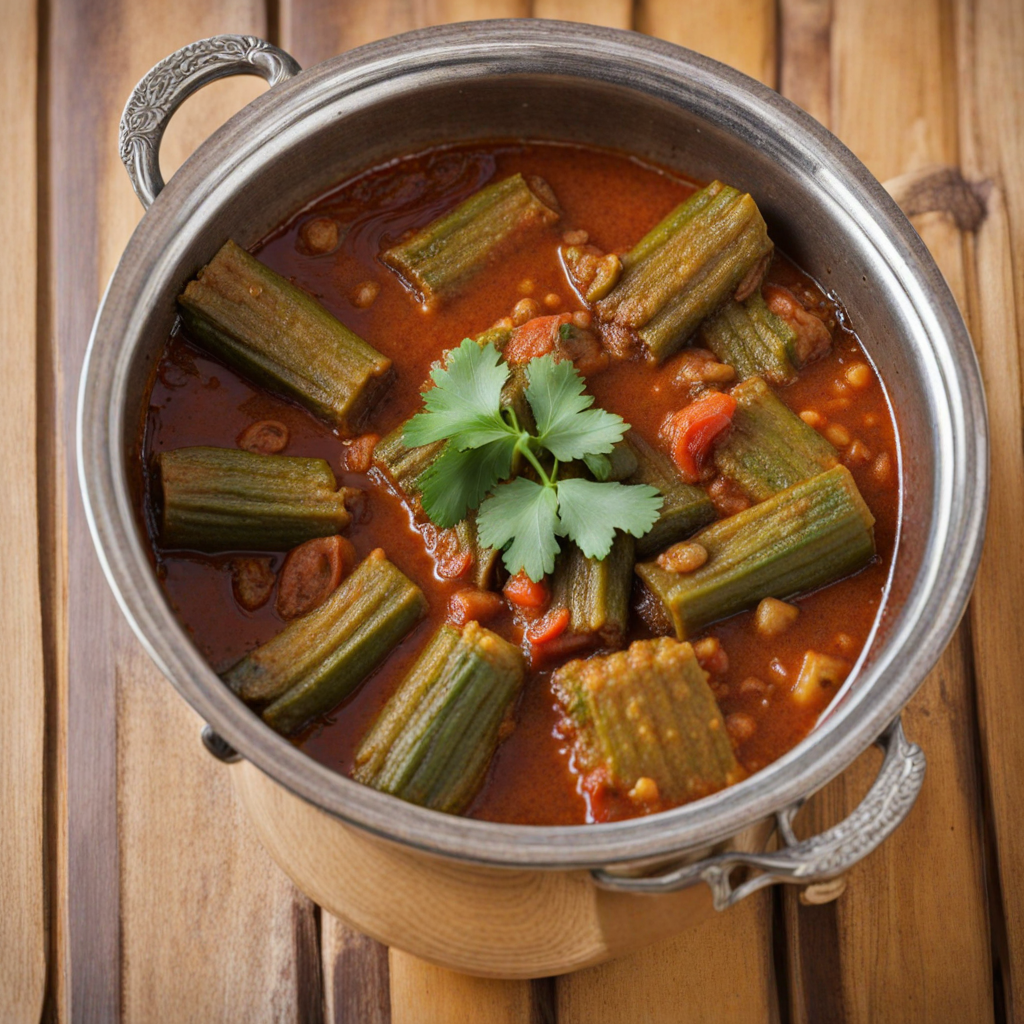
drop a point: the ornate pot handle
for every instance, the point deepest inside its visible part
(816, 859)
(167, 85)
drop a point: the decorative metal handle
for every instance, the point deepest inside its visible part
(811, 860)
(167, 85)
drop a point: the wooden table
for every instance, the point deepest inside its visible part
(153, 900)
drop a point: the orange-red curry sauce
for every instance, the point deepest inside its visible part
(197, 400)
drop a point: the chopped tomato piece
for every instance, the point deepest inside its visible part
(549, 628)
(475, 604)
(524, 593)
(692, 431)
(357, 455)
(535, 338)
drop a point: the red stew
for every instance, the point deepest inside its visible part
(331, 251)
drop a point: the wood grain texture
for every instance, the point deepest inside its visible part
(356, 976)
(313, 30)
(885, 951)
(720, 970)
(22, 682)
(174, 910)
(741, 33)
(610, 13)
(723, 968)
(990, 61)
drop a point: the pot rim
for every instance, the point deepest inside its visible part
(666, 72)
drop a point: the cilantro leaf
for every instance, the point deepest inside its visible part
(465, 403)
(591, 512)
(566, 425)
(524, 516)
(457, 481)
(599, 465)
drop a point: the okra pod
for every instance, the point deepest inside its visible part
(686, 508)
(752, 340)
(402, 467)
(596, 592)
(279, 337)
(685, 267)
(317, 660)
(435, 738)
(647, 713)
(222, 499)
(798, 540)
(769, 448)
(452, 248)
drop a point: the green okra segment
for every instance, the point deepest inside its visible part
(222, 499)
(686, 508)
(435, 738)
(648, 713)
(596, 592)
(798, 540)
(452, 248)
(277, 336)
(685, 267)
(402, 467)
(769, 447)
(317, 660)
(752, 340)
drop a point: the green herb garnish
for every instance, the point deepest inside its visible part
(523, 516)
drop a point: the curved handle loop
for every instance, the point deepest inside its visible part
(167, 85)
(803, 861)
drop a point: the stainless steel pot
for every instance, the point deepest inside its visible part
(570, 82)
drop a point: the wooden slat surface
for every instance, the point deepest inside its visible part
(990, 59)
(888, 954)
(710, 972)
(162, 904)
(22, 684)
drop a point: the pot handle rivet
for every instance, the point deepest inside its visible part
(218, 746)
(806, 862)
(167, 85)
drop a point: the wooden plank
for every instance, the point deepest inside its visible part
(718, 971)
(610, 13)
(173, 907)
(990, 59)
(22, 682)
(885, 951)
(424, 994)
(723, 969)
(740, 33)
(356, 976)
(312, 31)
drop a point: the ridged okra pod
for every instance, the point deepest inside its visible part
(798, 540)
(596, 592)
(647, 713)
(769, 448)
(222, 499)
(686, 266)
(435, 738)
(450, 249)
(686, 508)
(316, 661)
(752, 340)
(277, 336)
(402, 467)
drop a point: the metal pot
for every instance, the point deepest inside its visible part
(514, 900)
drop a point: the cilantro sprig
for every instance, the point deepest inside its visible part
(484, 440)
